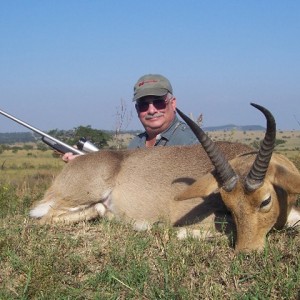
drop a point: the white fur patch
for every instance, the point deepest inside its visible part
(77, 208)
(184, 233)
(106, 194)
(293, 218)
(141, 225)
(107, 200)
(101, 209)
(41, 210)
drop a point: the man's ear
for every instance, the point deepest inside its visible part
(174, 104)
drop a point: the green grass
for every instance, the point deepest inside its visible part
(108, 260)
(15, 166)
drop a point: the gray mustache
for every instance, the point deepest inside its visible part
(147, 117)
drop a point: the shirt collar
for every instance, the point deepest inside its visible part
(169, 131)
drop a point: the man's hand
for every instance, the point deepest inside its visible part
(69, 156)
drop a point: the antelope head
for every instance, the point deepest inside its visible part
(256, 187)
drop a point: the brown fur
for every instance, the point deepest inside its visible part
(139, 184)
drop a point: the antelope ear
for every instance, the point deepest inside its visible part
(203, 187)
(287, 179)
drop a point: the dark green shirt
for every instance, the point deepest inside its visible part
(177, 134)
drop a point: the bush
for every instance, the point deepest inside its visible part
(27, 147)
(279, 142)
(42, 147)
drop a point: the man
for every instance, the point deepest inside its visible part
(156, 109)
(155, 106)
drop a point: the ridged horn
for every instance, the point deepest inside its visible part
(226, 176)
(259, 168)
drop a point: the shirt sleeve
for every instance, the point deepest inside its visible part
(137, 142)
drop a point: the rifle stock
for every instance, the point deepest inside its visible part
(46, 138)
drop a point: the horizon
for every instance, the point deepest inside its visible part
(225, 127)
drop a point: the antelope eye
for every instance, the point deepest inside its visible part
(265, 202)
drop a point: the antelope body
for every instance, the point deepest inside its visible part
(141, 186)
(134, 185)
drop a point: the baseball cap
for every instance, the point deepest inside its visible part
(151, 85)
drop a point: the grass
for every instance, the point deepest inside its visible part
(108, 260)
(16, 166)
(290, 147)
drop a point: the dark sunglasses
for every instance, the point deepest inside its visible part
(143, 106)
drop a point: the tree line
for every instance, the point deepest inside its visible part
(71, 137)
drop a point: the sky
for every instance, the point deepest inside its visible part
(69, 63)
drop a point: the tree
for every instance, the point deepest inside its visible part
(71, 137)
(96, 136)
(123, 119)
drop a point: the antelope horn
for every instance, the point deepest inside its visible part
(226, 176)
(259, 168)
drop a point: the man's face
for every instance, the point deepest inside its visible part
(156, 113)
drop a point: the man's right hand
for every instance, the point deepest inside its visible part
(69, 156)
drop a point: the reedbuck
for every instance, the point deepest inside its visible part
(146, 186)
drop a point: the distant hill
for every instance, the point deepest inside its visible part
(231, 127)
(16, 137)
(27, 137)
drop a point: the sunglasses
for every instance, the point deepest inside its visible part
(143, 106)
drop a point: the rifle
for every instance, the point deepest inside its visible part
(51, 141)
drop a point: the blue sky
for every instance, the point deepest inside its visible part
(70, 63)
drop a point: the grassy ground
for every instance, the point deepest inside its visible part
(107, 260)
(17, 166)
(290, 146)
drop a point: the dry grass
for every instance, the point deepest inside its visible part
(290, 147)
(15, 166)
(107, 260)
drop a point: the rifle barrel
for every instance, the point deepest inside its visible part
(72, 149)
